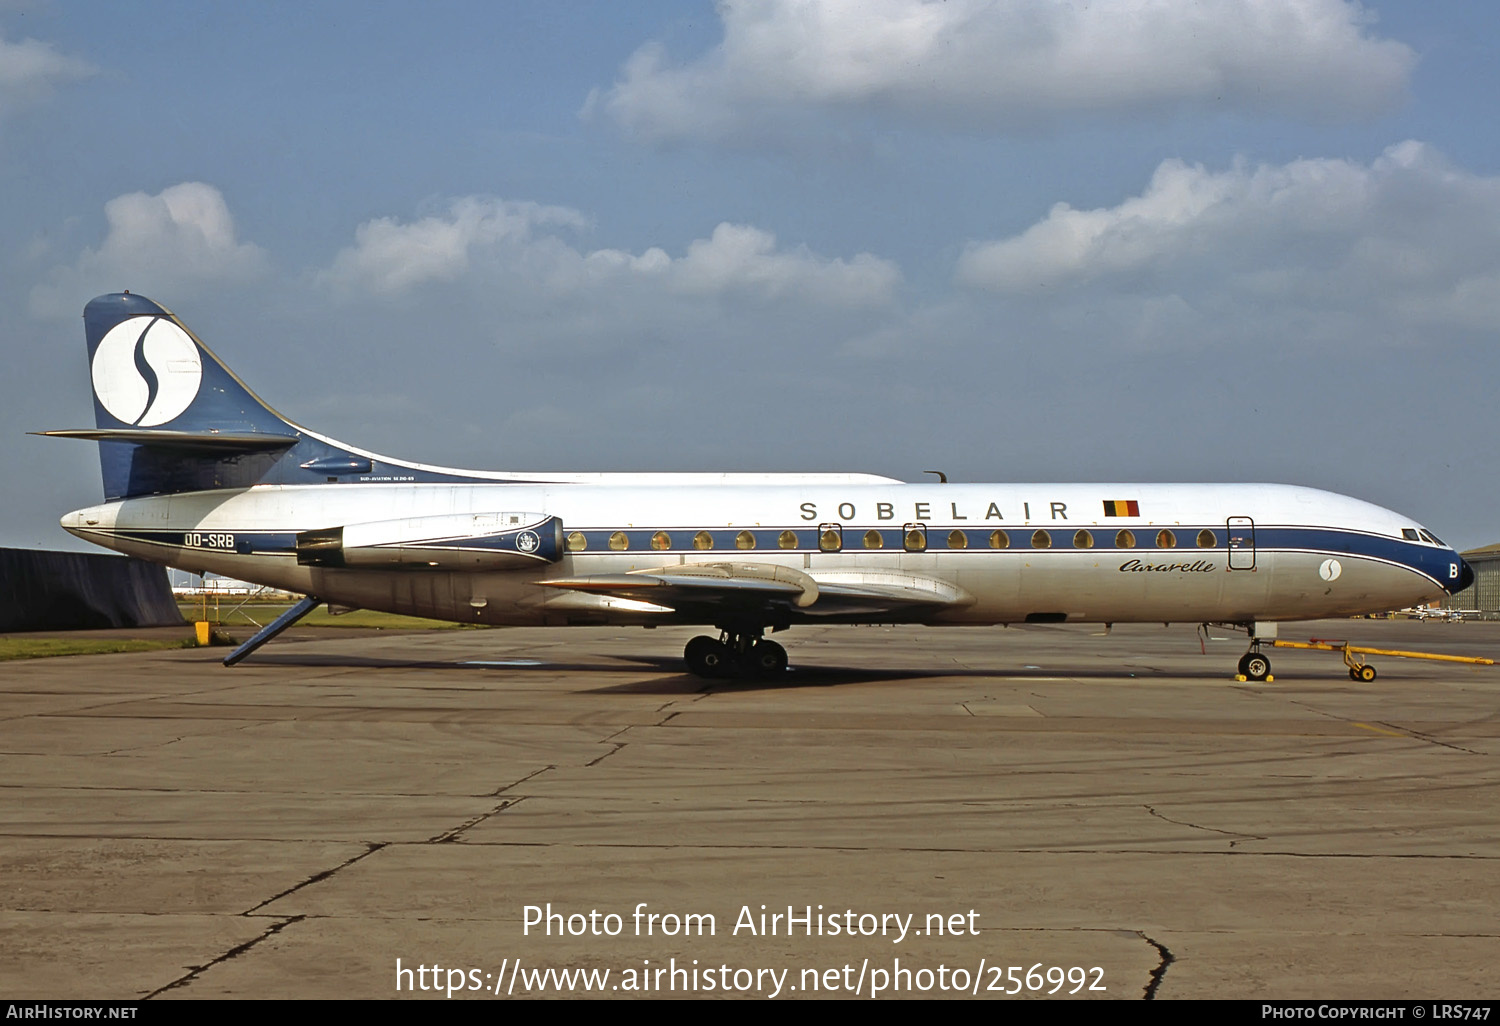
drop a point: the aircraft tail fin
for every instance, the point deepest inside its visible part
(171, 417)
(150, 371)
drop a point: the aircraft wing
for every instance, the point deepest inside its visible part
(710, 588)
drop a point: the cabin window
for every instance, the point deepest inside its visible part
(1083, 540)
(1207, 539)
(744, 540)
(577, 542)
(1125, 540)
(830, 537)
(619, 542)
(787, 539)
(703, 540)
(999, 540)
(1041, 540)
(661, 540)
(958, 540)
(1166, 540)
(873, 540)
(914, 538)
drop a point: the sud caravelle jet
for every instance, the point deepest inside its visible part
(200, 474)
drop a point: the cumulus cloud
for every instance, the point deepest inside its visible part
(168, 244)
(743, 259)
(390, 257)
(1407, 238)
(30, 70)
(986, 63)
(500, 244)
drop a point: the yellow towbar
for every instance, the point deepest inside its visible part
(1361, 670)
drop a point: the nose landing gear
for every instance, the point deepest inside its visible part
(1253, 665)
(735, 653)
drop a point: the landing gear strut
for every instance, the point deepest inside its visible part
(735, 653)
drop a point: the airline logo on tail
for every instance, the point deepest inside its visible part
(147, 371)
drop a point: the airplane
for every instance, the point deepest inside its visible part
(1425, 613)
(202, 475)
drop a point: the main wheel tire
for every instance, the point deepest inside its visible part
(706, 657)
(1254, 666)
(767, 659)
(1367, 673)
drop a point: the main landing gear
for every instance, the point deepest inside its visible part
(734, 654)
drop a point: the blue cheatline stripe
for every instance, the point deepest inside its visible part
(244, 543)
(1426, 559)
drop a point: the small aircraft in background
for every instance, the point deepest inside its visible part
(200, 474)
(1437, 613)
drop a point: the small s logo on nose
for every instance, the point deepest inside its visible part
(1330, 570)
(146, 371)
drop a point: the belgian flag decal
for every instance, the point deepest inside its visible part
(1122, 508)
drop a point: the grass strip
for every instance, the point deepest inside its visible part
(40, 648)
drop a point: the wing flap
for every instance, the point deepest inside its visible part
(770, 587)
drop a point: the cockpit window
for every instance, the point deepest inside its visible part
(1431, 537)
(1410, 534)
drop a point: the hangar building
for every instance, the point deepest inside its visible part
(1484, 593)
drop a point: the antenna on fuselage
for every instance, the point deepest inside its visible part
(942, 477)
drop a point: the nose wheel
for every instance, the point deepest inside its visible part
(734, 655)
(1254, 666)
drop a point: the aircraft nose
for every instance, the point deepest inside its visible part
(1465, 577)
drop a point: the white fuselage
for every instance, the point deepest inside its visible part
(1231, 553)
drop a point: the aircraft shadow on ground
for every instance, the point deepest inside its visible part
(831, 676)
(669, 676)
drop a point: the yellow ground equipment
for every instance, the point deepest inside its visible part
(1354, 655)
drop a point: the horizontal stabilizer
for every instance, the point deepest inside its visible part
(186, 441)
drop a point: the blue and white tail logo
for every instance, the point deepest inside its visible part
(147, 371)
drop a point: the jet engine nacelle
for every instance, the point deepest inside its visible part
(457, 541)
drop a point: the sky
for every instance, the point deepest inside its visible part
(1030, 240)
